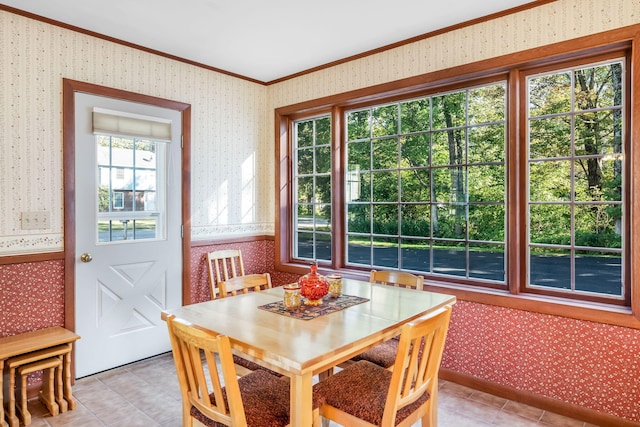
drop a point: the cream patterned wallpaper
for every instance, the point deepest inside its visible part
(546, 24)
(229, 122)
(233, 162)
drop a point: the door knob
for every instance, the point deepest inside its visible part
(85, 257)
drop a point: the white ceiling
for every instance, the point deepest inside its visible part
(260, 39)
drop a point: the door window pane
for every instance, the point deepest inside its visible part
(128, 186)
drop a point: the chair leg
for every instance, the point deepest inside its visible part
(318, 420)
(187, 419)
(430, 419)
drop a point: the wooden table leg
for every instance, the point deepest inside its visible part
(302, 400)
(3, 423)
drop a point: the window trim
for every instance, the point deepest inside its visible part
(511, 65)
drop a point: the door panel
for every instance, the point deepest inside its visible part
(128, 232)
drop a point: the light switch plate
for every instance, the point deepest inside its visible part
(37, 220)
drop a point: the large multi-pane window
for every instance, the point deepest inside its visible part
(312, 189)
(576, 179)
(425, 184)
(518, 180)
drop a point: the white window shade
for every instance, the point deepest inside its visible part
(126, 124)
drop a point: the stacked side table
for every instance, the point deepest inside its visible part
(35, 348)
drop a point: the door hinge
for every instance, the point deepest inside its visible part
(181, 141)
(182, 231)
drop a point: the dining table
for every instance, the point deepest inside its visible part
(299, 348)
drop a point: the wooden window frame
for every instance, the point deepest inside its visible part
(627, 198)
(512, 66)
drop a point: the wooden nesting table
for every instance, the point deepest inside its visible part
(30, 347)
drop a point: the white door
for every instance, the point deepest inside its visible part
(128, 233)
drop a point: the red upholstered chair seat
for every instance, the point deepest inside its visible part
(361, 390)
(265, 400)
(383, 354)
(252, 366)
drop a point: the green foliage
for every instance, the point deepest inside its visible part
(486, 223)
(358, 125)
(415, 115)
(384, 121)
(358, 218)
(103, 198)
(607, 239)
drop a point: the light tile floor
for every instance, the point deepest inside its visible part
(146, 393)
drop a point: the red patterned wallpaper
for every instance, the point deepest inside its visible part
(589, 364)
(31, 296)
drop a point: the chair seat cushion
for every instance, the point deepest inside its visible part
(361, 390)
(384, 354)
(265, 399)
(252, 366)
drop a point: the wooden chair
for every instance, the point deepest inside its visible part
(365, 394)
(385, 354)
(244, 284)
(213, 394)
(223, 265)
(397, 278)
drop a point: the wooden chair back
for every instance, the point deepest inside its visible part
(244, 284)
(223, 265)
(417, 363)
(199, 376)
(397, 278)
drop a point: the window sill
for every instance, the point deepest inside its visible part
(554, 306)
